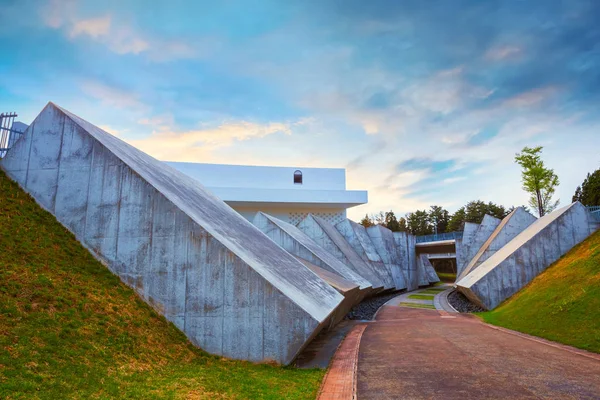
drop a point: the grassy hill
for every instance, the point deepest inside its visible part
(70, 329)
(562, 303)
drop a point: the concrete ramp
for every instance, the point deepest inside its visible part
(326, 236)
(462, 245)
(513, 224)
(219, 279)
(406, 244)
(514, 265)
(383, 240)
(428, 269)
(350, 291)
(483, 232)
(356, 235)
(295, 242)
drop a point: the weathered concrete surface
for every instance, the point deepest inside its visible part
(383, 240)
(481, 235)
(295, 242)
(513, 224)
(408, 255)
(351, 292)
(462, 245)
(428, 269)
(194, 259)
(326, 236)
(356, 235)
(527, 255)
(419, 354)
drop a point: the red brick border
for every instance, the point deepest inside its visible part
(340, 381)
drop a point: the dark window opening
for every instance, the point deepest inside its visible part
(298, 177)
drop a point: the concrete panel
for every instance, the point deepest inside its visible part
(226, 285)
(383, 240)
(533, 250)
(461, 254)
(406, 247)
(513, 224)
(481, 235)
(325, 235)
(428, 269)
(356, 235)
(350, 291)
(297, 243)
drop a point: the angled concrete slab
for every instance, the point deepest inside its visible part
(350, 291)
(219, 279)
(383, 240)
(483, 232)
(513, 224)
(297, 243)
(428, 269)
(326, 236)
(462, 245)
(356, 235)
(514, 265)
(406, 244)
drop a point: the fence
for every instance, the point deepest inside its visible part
(8, 135)
(595, 212)
(439, 237)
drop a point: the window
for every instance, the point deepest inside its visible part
(298, 177)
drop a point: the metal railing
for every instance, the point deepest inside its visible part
(8, 135)
(439, 237)
(594, 212)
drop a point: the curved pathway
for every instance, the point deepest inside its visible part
(416, 353)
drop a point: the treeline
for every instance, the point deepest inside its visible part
(436, 219)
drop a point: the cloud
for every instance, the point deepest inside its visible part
(93, 27)
(195, 145)
(112, 97)
(499, 53)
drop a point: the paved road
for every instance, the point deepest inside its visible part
(425, 354)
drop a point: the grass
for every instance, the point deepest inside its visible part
(447, 276)
(432, 290)
(421, 296)
(561, 304)
(70, 329)
(417, 305)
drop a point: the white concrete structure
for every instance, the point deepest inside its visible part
(287, 193)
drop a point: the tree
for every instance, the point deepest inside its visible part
(474, 211)
(540, 182)
(438, 217)
(418, 223)
(402, 225)
(379, 218)
(457, 221)
(391, 222)
(589, 191)
(366, 221)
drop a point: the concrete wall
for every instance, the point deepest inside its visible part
(513, 224)
(528, 254)
(406, 247)
(461, 247)
(292, 215)
(383, 240)
(326, 236)
(428, 269)
(295, 242)
(360, 242)
(483, 232)
(232, 291)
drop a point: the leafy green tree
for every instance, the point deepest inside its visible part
(439, 217)
(457, 221)
(540, 182)
(474, 211)
(402, 225)
(418, 223)
(366, 221)
(589, 191)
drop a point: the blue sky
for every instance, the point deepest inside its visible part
(422, 102)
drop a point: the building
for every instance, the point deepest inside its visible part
(288, 193)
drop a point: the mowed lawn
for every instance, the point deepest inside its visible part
(70, 329)
(562, 303)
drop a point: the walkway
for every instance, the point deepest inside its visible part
(415, 353)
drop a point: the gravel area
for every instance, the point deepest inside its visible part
(462, 304)
(367, 308)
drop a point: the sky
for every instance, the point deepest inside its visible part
(422, 102)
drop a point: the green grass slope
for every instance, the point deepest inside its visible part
(562, 303)
(70, 329)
